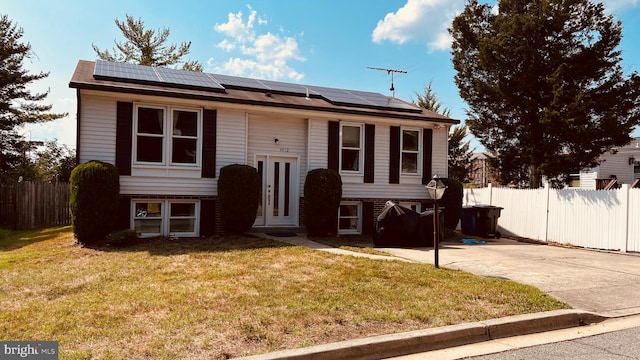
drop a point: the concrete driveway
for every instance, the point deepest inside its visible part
(601, 282)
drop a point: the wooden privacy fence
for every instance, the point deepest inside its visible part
(31, 205)
(599, 219)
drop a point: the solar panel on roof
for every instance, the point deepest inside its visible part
(113, 70)
(187, 78)
(235, 81)
(149, 74)
(287, 87)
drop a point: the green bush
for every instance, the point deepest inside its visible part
(239, 194)
(322, 195)
(452, 202)
(94, 197)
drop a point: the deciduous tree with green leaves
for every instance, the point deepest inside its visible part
(544, 83)
(18, 106)
(147, 47)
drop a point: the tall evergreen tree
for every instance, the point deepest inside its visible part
(18, 106)
(429, 100)
(544, 84)
(459, 151)
(147, 47)
(460, 154)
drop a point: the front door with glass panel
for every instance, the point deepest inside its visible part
(279, 195)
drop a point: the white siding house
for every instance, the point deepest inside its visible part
(170, 135)
(622, 165)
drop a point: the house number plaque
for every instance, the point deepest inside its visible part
(284, 149)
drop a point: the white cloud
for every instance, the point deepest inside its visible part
(419, 21)
(616, 5)
(263, 55)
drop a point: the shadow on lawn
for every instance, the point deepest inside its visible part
(165, 246)
(11, 240)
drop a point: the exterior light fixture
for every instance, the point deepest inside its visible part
(436, 189)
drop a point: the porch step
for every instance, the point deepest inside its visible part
(278, 229)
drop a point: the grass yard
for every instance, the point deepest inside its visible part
(217, 298)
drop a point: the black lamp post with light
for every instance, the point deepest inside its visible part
(436, 189)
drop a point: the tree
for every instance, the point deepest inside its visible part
(147, 47)
(55, 162)
(459, 151)
(18, 106)
(544, 84)
(460, 154)
(430, 101)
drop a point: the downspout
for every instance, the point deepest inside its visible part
(246, 137)
(78, 100)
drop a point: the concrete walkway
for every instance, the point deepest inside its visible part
(602, 282)
(598, 285)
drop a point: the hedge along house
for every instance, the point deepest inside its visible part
(170, 131)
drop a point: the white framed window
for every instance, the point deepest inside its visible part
(147, 217)
(410, 152)
(350, 217)
(167, 136)
(153, 217)
(351, 148)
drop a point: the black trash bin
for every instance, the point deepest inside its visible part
(397, 226)
(426, 227)
(487, 220)
(468, 220)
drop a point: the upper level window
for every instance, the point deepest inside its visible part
(351, 142)
(410, 152)
(167, 136)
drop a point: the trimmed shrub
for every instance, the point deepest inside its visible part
(452, 202)
(322, 195)
(94, 196)
(239, 194)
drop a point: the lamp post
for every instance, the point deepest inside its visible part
(436, 189)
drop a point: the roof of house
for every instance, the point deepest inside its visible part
(138, 79)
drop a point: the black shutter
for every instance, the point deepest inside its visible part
(394, 155)
(334, 146)
(427, 154)
(368, 220)
(209, 143)
(207, 217)
(369, 146)
(124, 131)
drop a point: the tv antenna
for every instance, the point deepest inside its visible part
(391, 72)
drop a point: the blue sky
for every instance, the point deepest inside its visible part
(318, 42)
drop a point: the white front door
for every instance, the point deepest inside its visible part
(279, 196)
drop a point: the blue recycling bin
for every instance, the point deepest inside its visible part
(468, 220)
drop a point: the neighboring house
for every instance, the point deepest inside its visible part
(622, 165)
(481, 172)
(170, 131)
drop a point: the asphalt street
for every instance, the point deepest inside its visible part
(615, 345)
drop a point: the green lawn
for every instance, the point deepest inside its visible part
(225, 297)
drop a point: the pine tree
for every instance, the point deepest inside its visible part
(544, 84)
(147, 47)
(18, 106)
(459, 151)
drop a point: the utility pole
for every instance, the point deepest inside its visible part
(391, 72)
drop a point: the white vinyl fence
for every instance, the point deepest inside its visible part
(599, 219)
